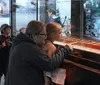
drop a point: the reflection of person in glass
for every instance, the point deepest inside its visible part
(53, 17)
(4, 8)
(1, 10)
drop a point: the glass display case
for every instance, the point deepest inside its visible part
(80, 28)
(75, 21)
(80, 20)
(63, 11)
(92, 19)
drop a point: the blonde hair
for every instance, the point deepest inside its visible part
(52, 27)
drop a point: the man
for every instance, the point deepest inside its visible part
(28, 61)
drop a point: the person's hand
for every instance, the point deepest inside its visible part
(67, 45)
(3, 44)
(70, 46)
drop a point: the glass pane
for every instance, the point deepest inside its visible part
(69, 15)
(42, 10)
(25, 12)
(4, 12)
(39, 5)
(63, 10)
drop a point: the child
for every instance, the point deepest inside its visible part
(54, 33)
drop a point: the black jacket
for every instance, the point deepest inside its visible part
(4, 53)
(27, 62)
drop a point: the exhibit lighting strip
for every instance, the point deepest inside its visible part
(78, 47)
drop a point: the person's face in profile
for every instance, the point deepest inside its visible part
(23, 31)
(7, 31)
(40, 37)
(57, 35)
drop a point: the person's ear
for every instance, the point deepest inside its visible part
(52, 35)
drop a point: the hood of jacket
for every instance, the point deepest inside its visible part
(22, 38)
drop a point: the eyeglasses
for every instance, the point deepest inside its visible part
(41, 34)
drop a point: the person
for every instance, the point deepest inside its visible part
(28, 61)
(5, 44)
(54, 33)
(22, 30)
(52, 16)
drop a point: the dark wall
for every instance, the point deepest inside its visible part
(75, 17)
(75, 13)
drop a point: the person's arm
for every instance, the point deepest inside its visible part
(38, 59)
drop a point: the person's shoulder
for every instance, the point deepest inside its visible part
(2, 37)
(46, 45)
(48, 42)
(51, 20)
(26, 47)
(50, 45)
(57, 18)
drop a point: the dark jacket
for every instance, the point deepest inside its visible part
(27, 62)
(4, 54)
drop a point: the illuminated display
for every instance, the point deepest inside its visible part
(92, 19)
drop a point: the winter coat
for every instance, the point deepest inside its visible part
(4, 53)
